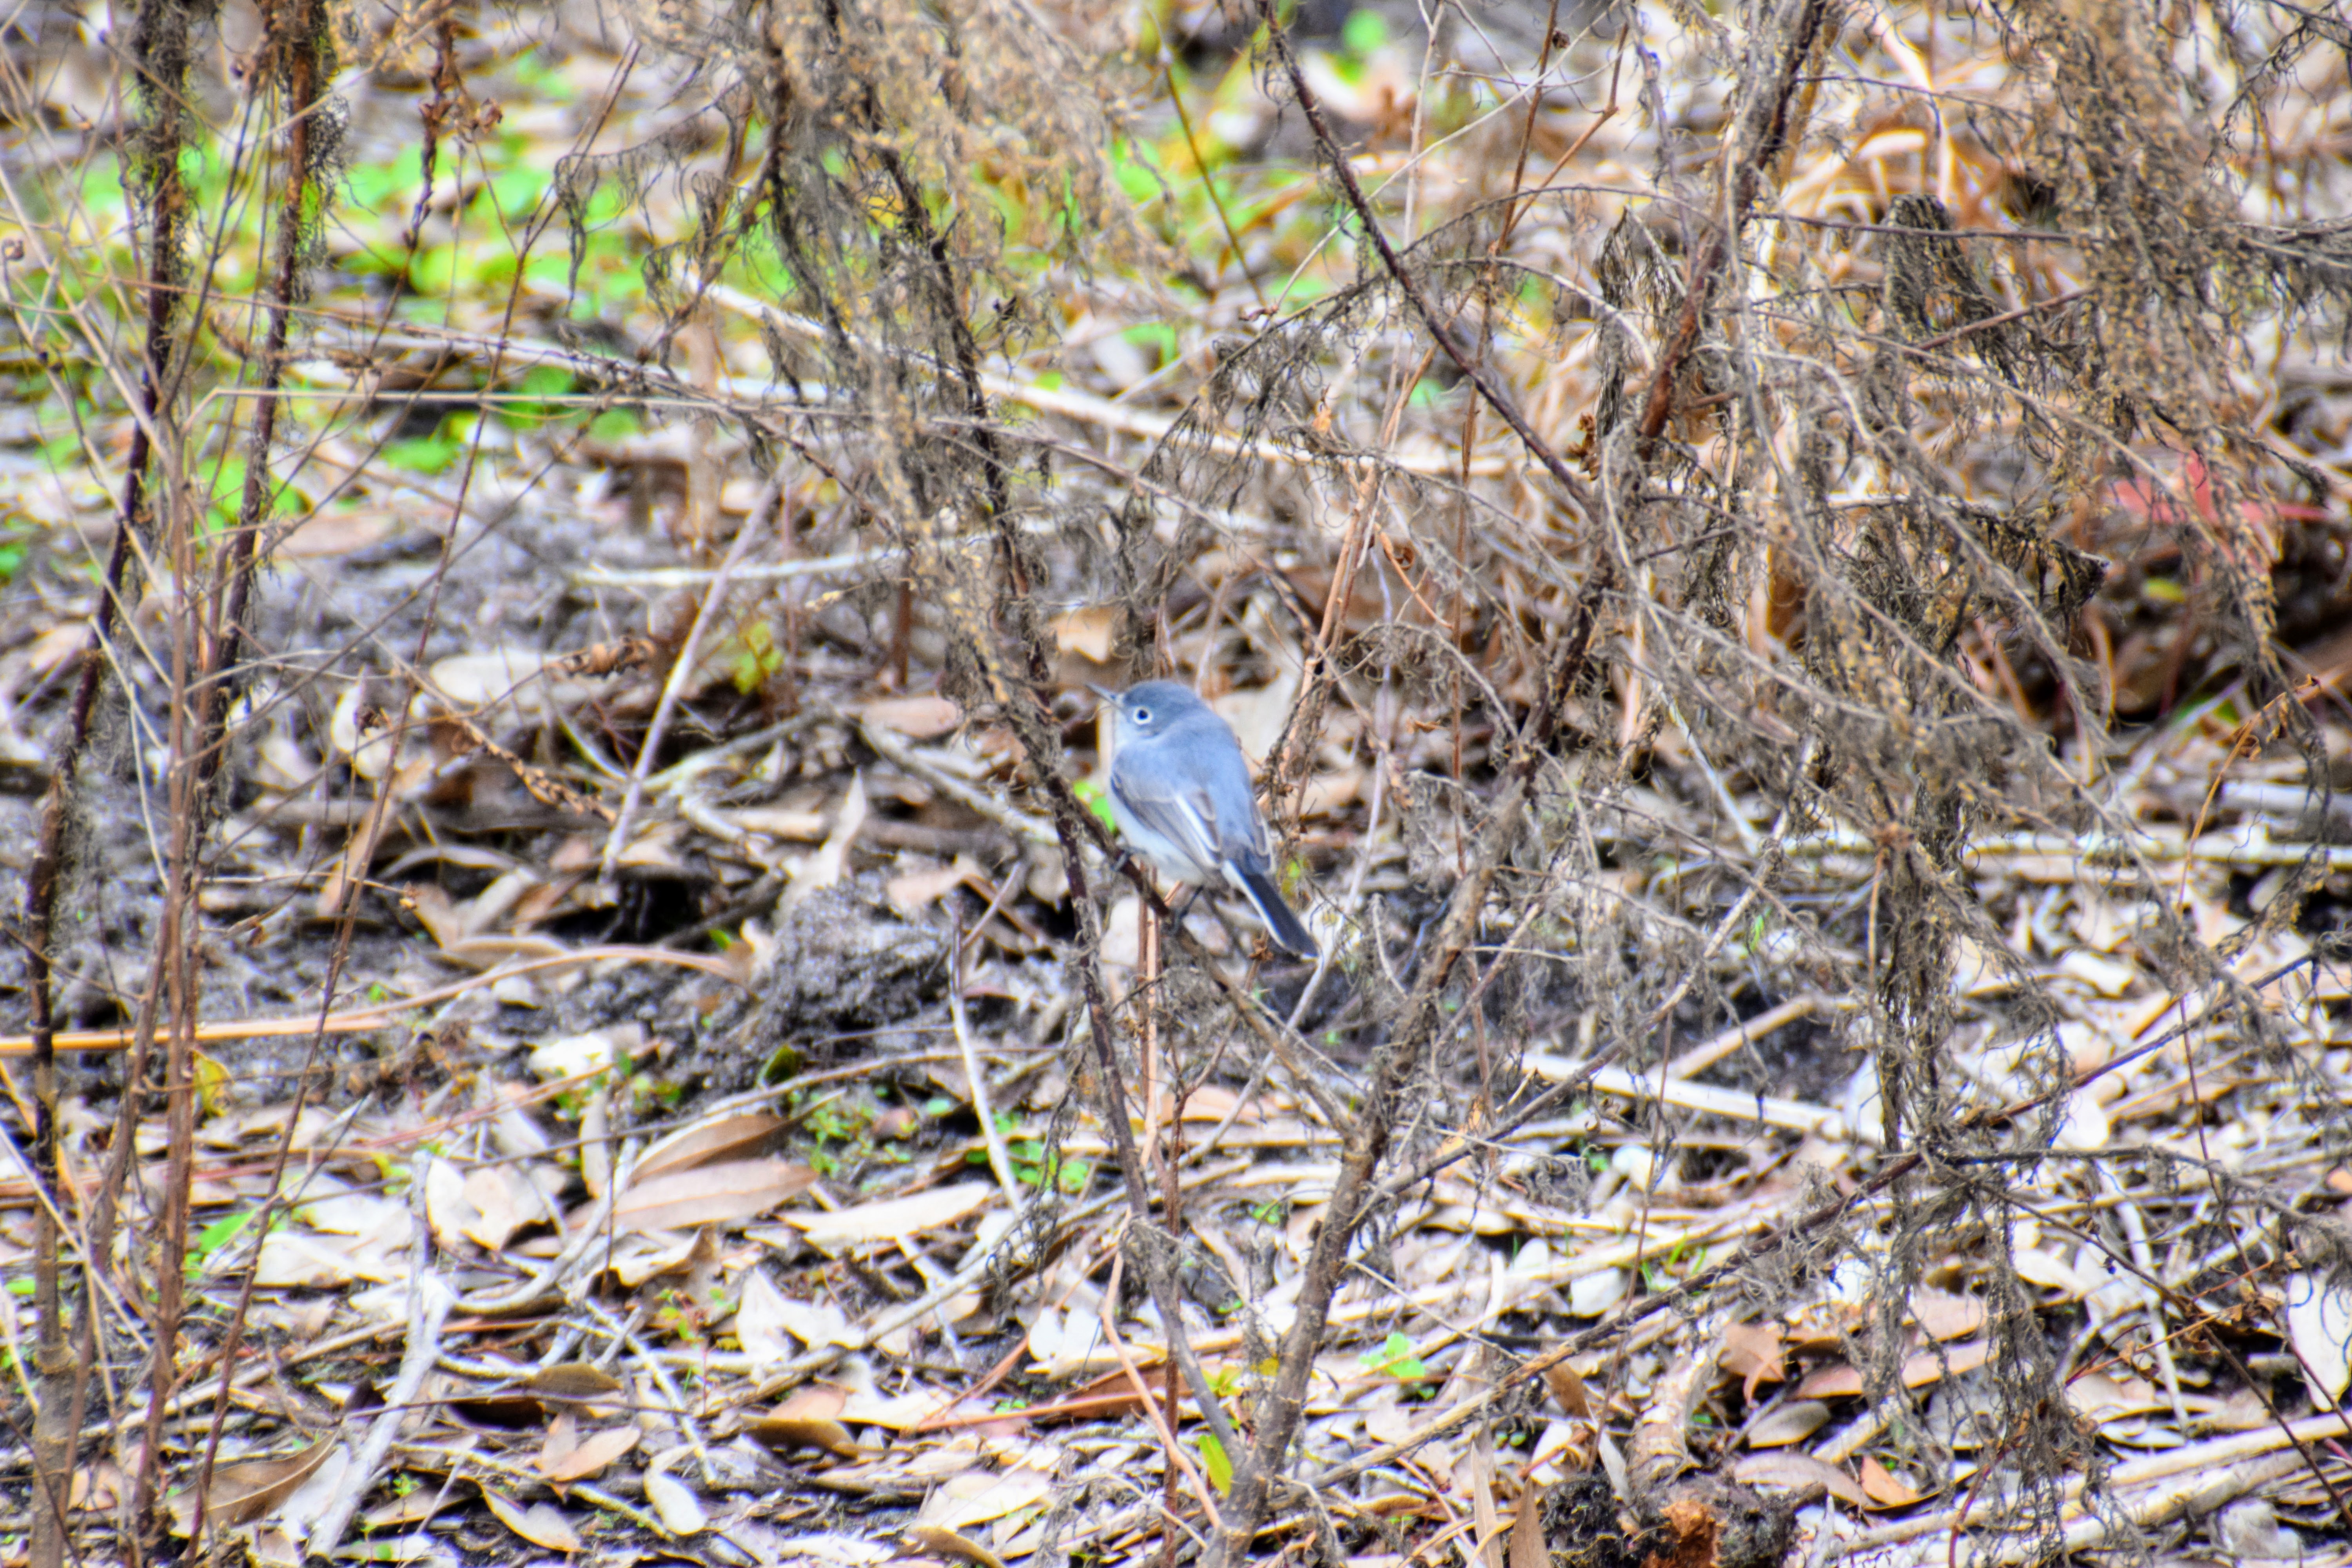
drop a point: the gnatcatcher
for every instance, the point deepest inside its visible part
(1179, 792)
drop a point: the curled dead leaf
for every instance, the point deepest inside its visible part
(746, 1136)
(892, 1219)
(1918, 1371)
(576, 1381)
(710, 1194)
(243, 1492)
(542, 1523)
(592, 1455)
(1784, 1470)
(675, 1504)
(1568, 1391)
(948, 1543)
(1885, 1489)
(1755, 1353)
(819, 1432)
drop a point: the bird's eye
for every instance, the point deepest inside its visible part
(1143, 715)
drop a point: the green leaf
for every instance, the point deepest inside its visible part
(1095, 798)
(428, 455)
(1395, 1359)
(1213, 1460)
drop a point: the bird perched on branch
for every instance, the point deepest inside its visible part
(1181, 792)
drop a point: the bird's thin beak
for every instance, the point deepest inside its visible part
(1105, 692)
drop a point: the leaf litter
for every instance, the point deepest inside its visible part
(755, 1130)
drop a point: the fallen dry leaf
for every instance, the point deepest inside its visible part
(1527, 1547)
(416, 1508)
(760, 1323)
(712, 1195)
(98, 1486)
(589, 1456)
(1885, 1489)
(917, 718)
(819, 1432)
(892, 1219)
(576, 1381)
(742, 1136)
(765, 1313)
(298, 1260)
(897, 1413)
(2100, 1396)
(1918, 1371)
(1788, 1472)
(1944, 1314)
(1568, 1391)
(447, 1209)
(244, 1491)
(1791, 1423)
(948, 1543)
(562, 1437)
(976, 1497)
(914, 892)
(504, 1201)
(675, 1504)
(542, 1523)
(1754, 1353)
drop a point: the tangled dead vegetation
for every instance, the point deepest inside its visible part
(1785, 566)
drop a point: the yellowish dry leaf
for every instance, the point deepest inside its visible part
(892, 1219)
(713, 1195)
(675, 1504)
(589, 1456)
(1755, 1353)
(1918, 1371)
(243, 1492)
(1527, 1547)
(1884, 1488)
(948, 1543)
(1786, 1470)
(917, 718)
(542, 1523)
(1568, 1391)
(742, 1136)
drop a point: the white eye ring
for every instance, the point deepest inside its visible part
(1143, 715)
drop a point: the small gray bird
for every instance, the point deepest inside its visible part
(1179, 792)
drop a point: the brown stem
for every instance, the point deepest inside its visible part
(1281, 1406)
(1025, 707)
(1473, 367)
(1756, 142)
(296, 29)
(294, 43)
(160, 52)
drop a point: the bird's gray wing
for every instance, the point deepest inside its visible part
(1181, 815)
(1232, 800)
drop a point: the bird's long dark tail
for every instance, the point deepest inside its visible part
(1288, 932)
